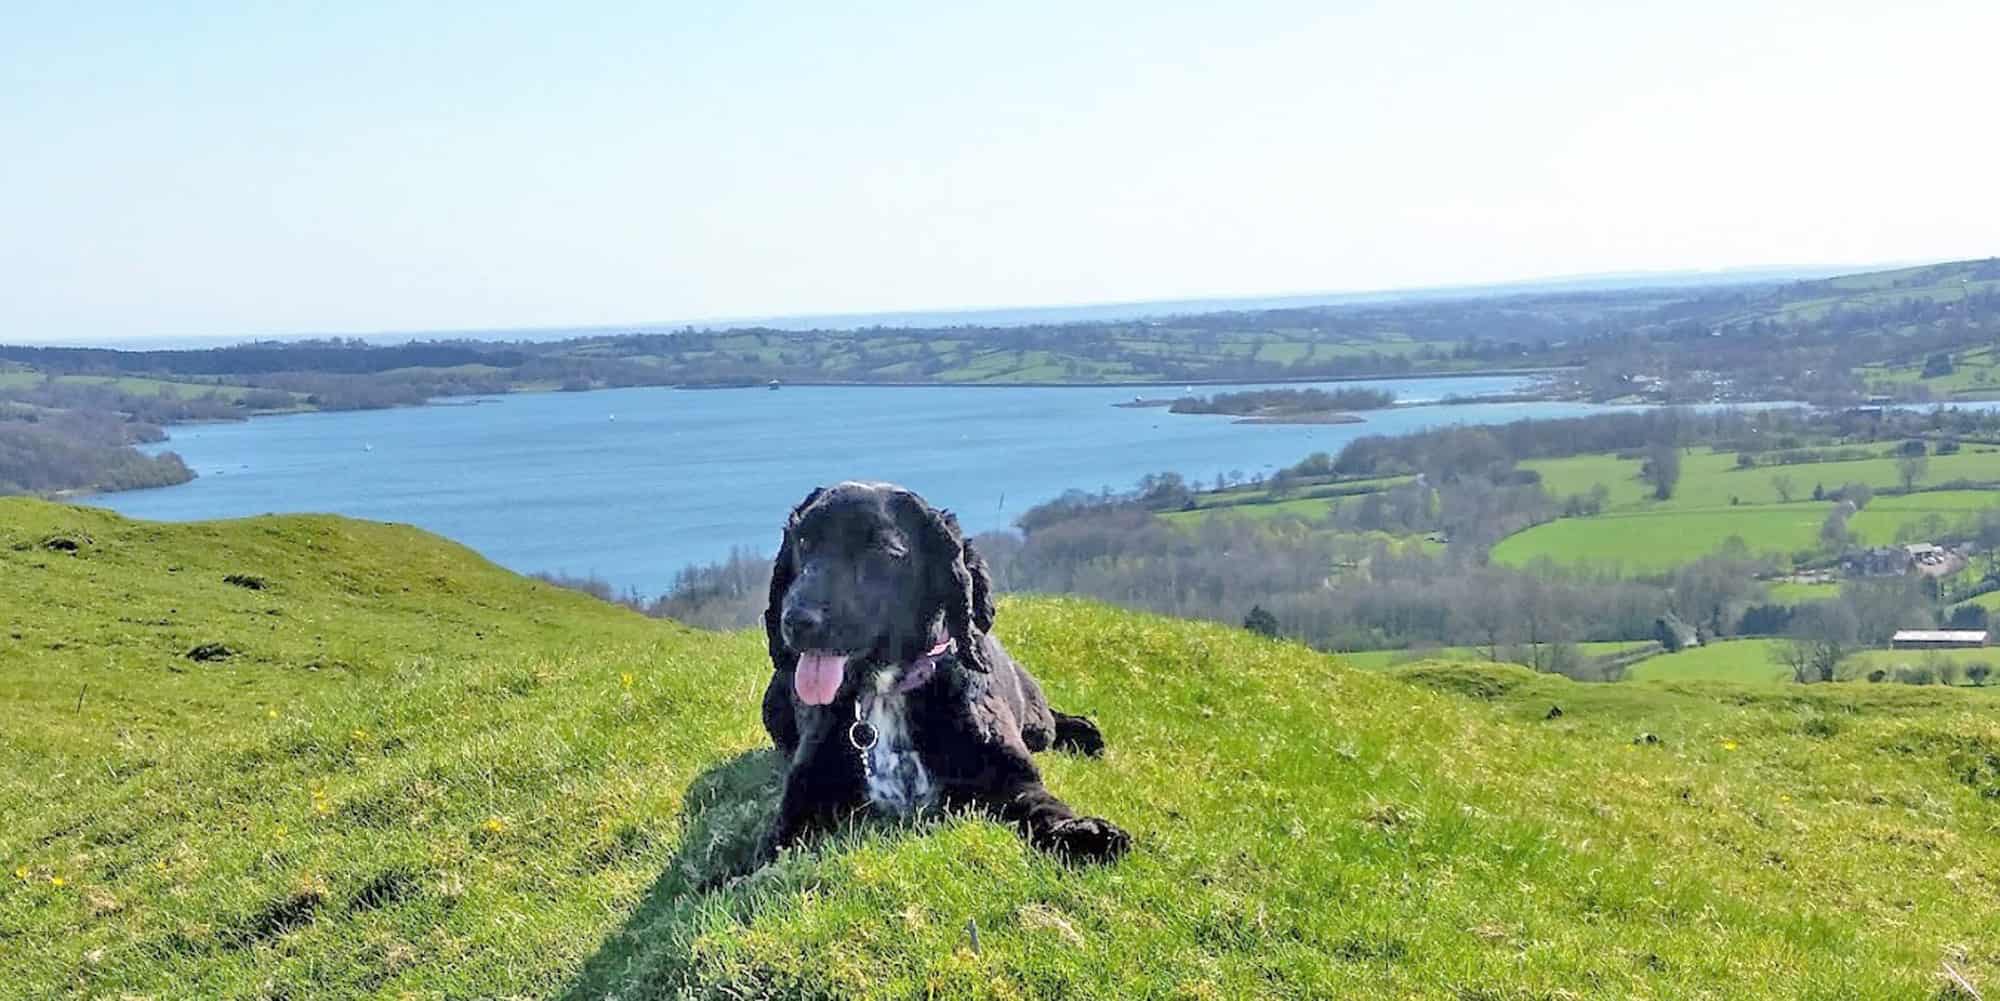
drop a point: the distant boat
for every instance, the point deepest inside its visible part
(773, 384)
(613, 418)
(367, 448)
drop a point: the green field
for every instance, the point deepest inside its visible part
(1642, 543)
(1714, 502)
(1376, 660)
(1711, 479)
(1747, 661)
(1667, 537)
(1309, 502)
(1860, 664)
(1880, 522)
(1973, 375)
(21, 378)
(1305, 508)
(1642, 535)
(1758, 660)
(1799, 594)
(419, 775)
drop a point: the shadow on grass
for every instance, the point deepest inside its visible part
(722, 817)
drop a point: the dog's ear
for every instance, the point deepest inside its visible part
(782, 657)
(982, 588)
(954, 586)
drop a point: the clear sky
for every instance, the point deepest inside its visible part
(192, 169)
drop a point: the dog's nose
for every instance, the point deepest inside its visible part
(803, 624)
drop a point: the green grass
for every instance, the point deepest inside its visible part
(1860, 664)
(1885, 517)
(1306, 508)
(1666, 537)
(1651, 542)
(1711, 479)
(139, 386)
(424, 776)
(1748, 660)
(1973, 373)
(1788, 593)
(1377, 660)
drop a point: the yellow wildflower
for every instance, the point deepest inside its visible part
(359, 734)
(57, 881)
(1729, 745)
(625, 679)
(494, 825)
(273, 713)
(21, 872)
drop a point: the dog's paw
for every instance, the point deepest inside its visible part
(1079, 735)
(1087, 839)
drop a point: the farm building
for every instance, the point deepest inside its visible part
(1883, 561)
(1938, 639)
(1894, 561)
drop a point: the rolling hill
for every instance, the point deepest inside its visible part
(313, 757)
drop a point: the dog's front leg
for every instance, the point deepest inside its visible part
(822, 784)
(994, 772)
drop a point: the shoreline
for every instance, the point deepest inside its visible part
(1302, 419)
(1271, 381)
(488, 397)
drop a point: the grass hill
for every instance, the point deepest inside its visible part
(304, 757)
(1947, 283)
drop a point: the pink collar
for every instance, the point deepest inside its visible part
(921, 669)
(860, 733)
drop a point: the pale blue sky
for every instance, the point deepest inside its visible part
(353, 167)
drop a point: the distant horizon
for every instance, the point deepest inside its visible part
(1021, 315)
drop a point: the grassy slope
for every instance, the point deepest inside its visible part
(427, 776)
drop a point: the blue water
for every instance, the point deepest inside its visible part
(633, 484)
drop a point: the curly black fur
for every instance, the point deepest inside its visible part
(873, 570)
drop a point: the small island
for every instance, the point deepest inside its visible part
(1288, 406)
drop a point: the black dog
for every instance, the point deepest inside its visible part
(887, 690)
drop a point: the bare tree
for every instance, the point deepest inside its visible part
(1797, 654)
(1782, 483)
(1662, 469)
(1911, 468)
(1822, 636)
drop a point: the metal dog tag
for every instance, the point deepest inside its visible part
(861, 735)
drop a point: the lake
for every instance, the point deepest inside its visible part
(632, 484)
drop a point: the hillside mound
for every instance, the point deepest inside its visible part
(414, 773)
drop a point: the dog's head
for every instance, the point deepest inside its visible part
(868, 573)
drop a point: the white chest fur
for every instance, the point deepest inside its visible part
(897, 781)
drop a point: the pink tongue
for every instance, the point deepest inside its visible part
(818, 677)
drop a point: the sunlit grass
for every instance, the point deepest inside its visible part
(420, 775)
